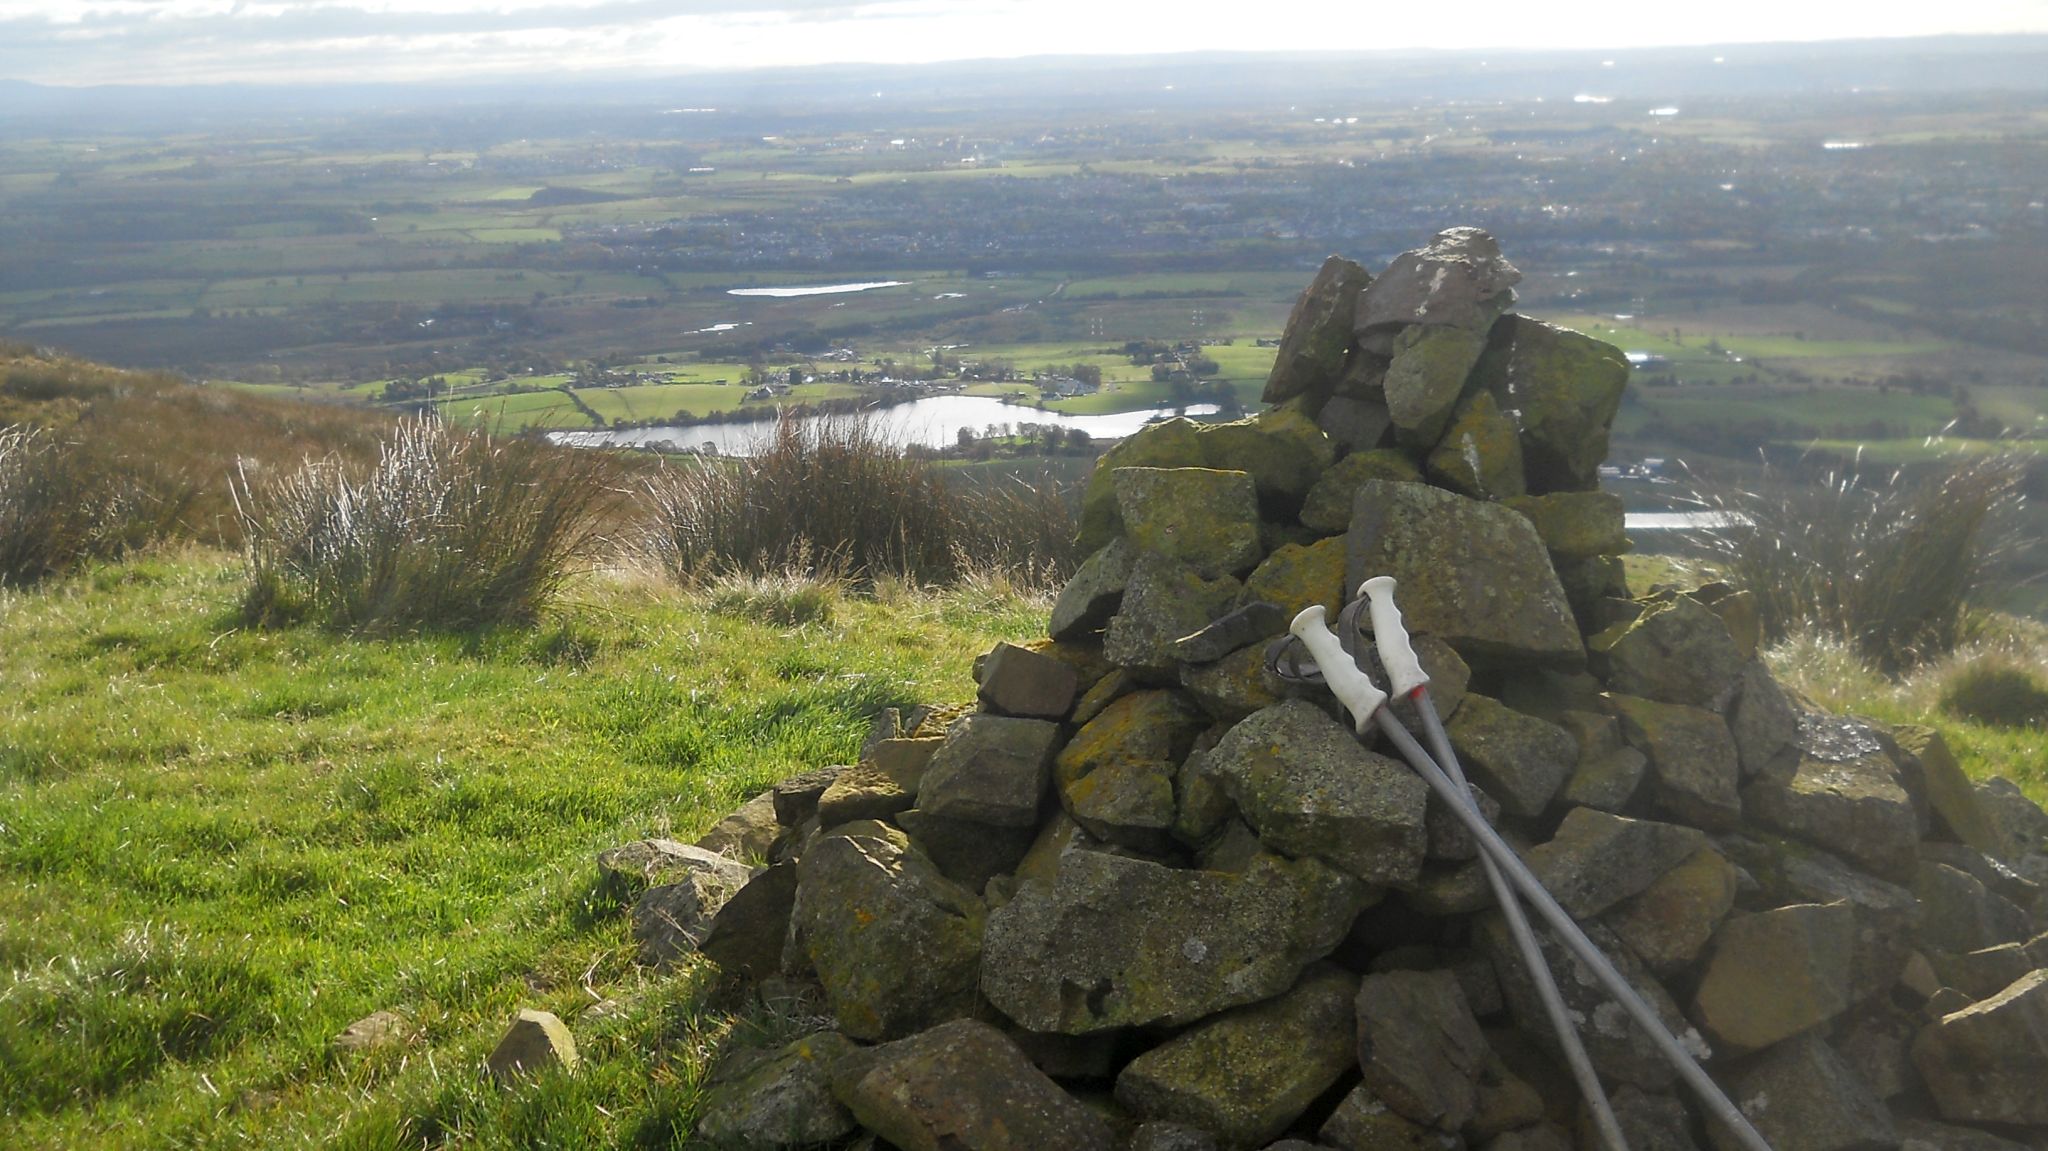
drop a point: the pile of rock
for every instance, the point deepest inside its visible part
(1147, 896)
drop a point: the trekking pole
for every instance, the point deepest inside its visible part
(1336, 666)
(1406, 677)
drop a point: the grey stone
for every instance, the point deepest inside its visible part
(1160, 1136)
(1506, 1101)
(1458, 280)
(1474, 574)
(1243, 627)
(1426, 377)
(966, 851)
(1520, 760)
(1693, 768)
(1449, 839)
(670, 921)
(1927, 1135)
(1092, 593)
(1761, 719)
(1855, 807)
(536, 1042)
(963, 1086)
(1145, 726)
(1248, 1073)
(644, 863)
(747, 833)
(861, 792)
(1618, 1048)
(1204, 518)
(1887, 915)
(746, 934)
(1648, 1121)
(1801, 1096)
(1113, 942)
(1280, 448)
(1356, 423)
(1420, 1047)
(1677, 651)
(1774, 974)
(895, 943)
(1235, 686)
(992, 769)
(1607, 782)
(1310, 789)
(1480, 453)
(1129, 802)
(796, 798)
(1959, 914)
(1875, 1041)
(1164, 601)
(1540, 1137)
(1983, 974)
(1596, 860)
(1576, 525)
(1318, 333)
(377, 1031)
(1021, 682)
(1670, 921)
(1329, 505)
(781, 1100)
(2019, 823)
(1363, 1122)
(1565, 387)
(1167, 444)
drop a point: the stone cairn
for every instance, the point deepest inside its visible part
(1148, 896)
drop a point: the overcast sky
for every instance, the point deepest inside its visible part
(203, 41)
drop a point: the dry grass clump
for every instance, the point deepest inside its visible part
(1888, 565)
(834, 496)
(449, 530)
(65, 501)
(1998, 691)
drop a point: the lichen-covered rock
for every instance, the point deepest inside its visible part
(1576, 525)
(1670, 921)
(1318, 332)
(1330, 502)
(1296, 576)
(1142, 727)
(1887, 915)
(1093, 592)
(1596, 860)
(1801, 1095)
(1677, 651)
(1474, 574)
(896, 944)
(963, 1086)
(1761, 718)
(1606, 782)
(1128, 802)
(644, 863)
(1426, 377)
(1856, 807)
(1618, 1048)
(1166, 444)
(1162, 1136)
(1480, 453)
(1459, 279)
(1310, 789)
(1566, 387)
(1018, 681)
(1204, 518)
(1693, 767)
(1648, 1121)
(1281, 449)
(1959, 914)
(1163, 601)
(1356, 423)
(1927, 1135)
(1420, 1047)
(1520, 760)
(1983, 973)
(966, 851)
(1113, 942)
(861, 792)
(1256, 621)
(1363, 1122)
(2021, 825)
(1235, 686)
(1248, 1073)
(1774, 974)
(782, 1100)
(796, 798)
(992, 769)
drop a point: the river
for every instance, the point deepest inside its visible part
(935, 422)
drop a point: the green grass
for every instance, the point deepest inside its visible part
(220, 846)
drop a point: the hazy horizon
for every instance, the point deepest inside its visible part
(175, 42)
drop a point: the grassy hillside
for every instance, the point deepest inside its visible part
(221, 846)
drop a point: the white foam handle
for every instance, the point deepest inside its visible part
(1397, 655)
(1352, 687)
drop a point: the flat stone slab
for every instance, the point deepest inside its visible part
(1776, 973)
(1855, 807)
(1114, 942)
(1596, 859)
(992, 769)
(1420, 1047)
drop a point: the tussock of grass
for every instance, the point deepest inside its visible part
(1886, 564)
(835, 497)
(1996, 691)
(65, 501)
(450, 530)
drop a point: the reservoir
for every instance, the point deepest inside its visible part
(935, 422)
(816, 289)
